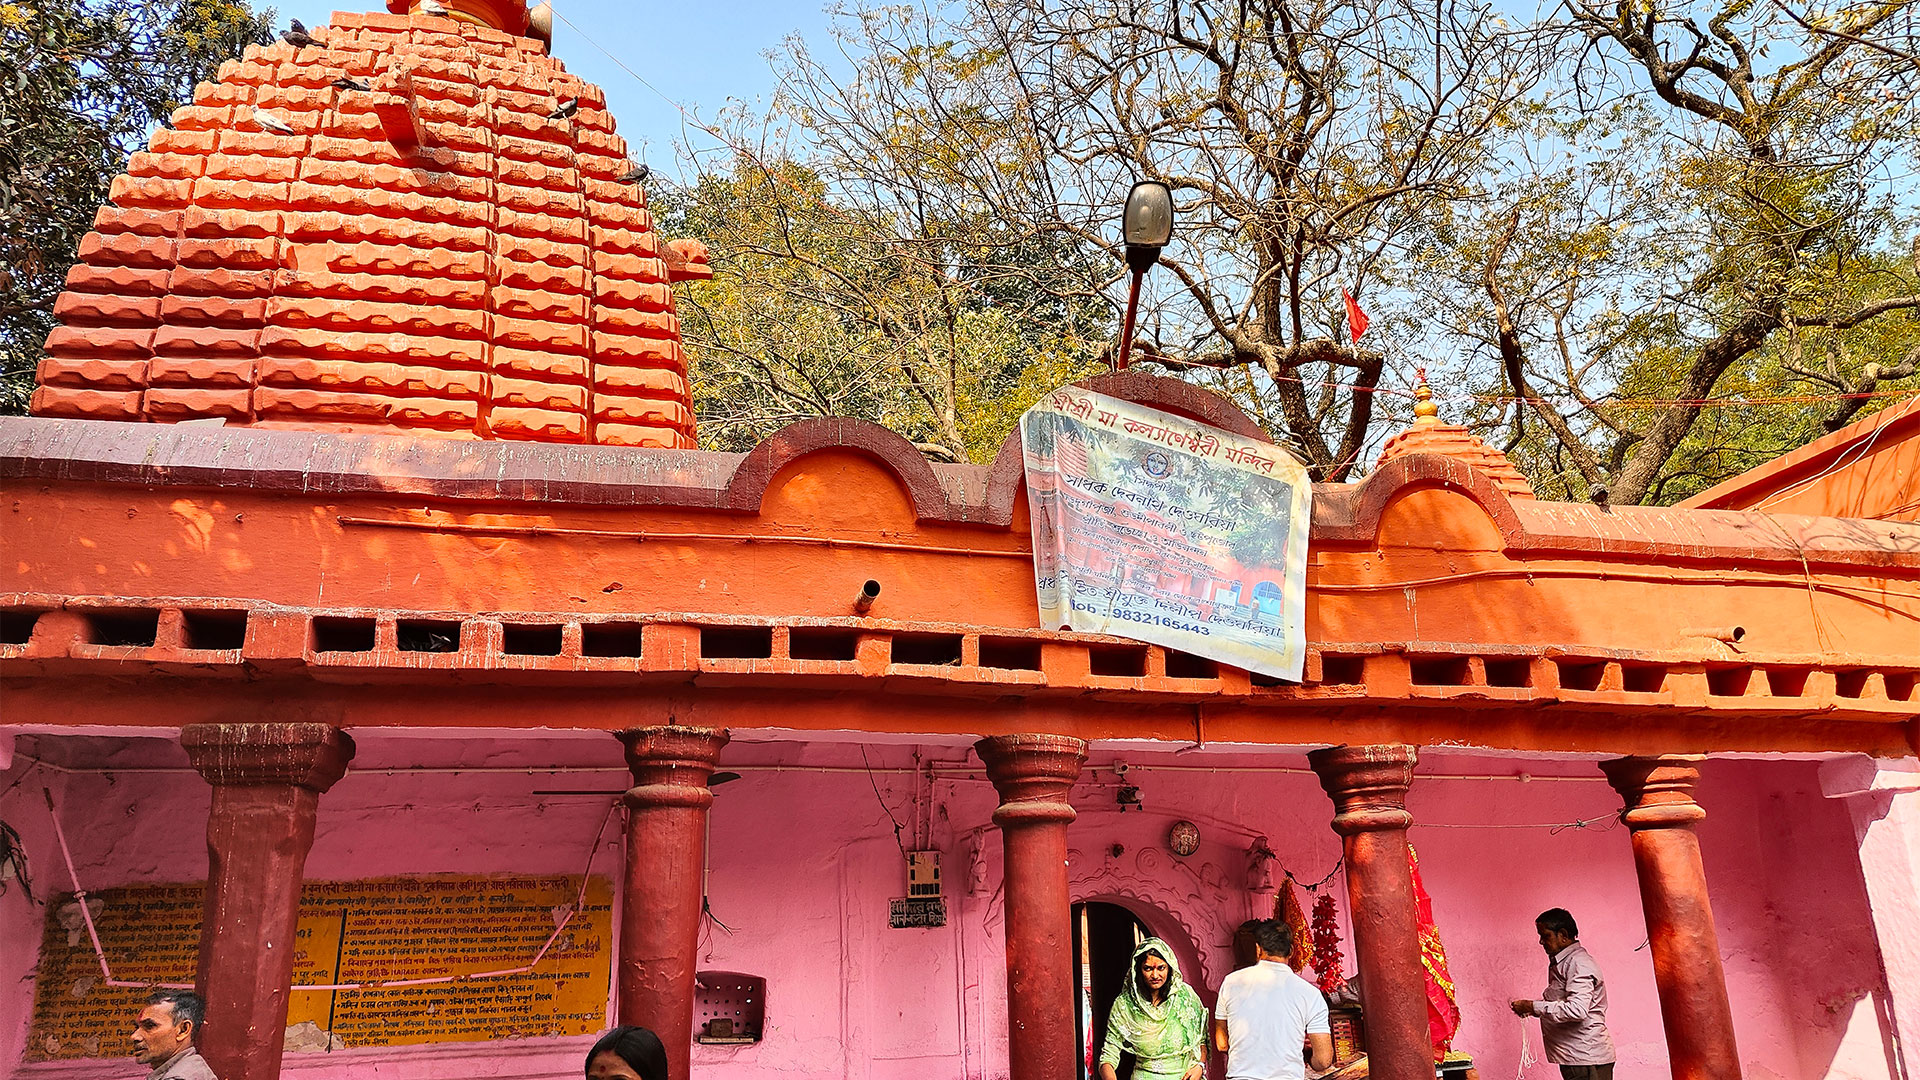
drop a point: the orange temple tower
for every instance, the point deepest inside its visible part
(402, 227)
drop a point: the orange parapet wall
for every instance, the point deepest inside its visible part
(394, 581)
(419, 223)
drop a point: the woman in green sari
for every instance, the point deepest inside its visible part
(1157, 1018)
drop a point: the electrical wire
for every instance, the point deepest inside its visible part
(1888, 416)
(897, 827)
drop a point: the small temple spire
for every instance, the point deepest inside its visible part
(1425, 412)
(1427, 435)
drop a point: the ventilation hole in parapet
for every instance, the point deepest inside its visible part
(424, 635)
(1580, 675)
(1729, 682)
(1188, 666)
(939, 650)
(611, 639)
(336, 634)
(1901, 685)
(1342, 670)
(524, 640)
(822, 643)
(1117, 661)
(736, 642)
(1509, 673)
(1851, 684)
(1787, 682)
(16, 626)
(1011, 654)
(1265, 681)
(1441, 671)
(215, 630)
(1643, 678)
(136, 629)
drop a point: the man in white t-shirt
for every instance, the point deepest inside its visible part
(1266, 1014)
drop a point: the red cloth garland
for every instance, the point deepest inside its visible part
(1327, 961)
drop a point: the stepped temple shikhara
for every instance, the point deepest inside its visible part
(436, 252)
(359, 530)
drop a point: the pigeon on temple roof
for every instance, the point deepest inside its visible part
(269, 122)
(567, 108)
(296, 35)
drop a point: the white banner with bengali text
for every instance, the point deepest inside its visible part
(1161, 529)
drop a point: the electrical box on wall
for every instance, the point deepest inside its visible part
(728, 1007)
(923, 874)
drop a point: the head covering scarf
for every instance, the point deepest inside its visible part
(1166, 1037)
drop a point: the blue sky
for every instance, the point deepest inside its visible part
(699, 54)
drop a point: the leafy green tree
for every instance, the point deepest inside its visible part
(824, 306)
(1594, 225)
(1722, 212)
(82, 83)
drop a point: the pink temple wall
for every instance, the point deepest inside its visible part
(805, 861)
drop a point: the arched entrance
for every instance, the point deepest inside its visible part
(1104, 936)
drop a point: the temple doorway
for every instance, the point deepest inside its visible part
(1104, 936)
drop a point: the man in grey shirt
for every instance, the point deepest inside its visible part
(1573, 1011)
(163, 1036)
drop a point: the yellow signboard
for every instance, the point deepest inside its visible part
(350, 933)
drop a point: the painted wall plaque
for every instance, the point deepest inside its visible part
(349, 932)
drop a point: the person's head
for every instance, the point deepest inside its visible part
(167, 1025)
(1274, 939)
(1152, 973)
(1557, 930)
(627, 1053)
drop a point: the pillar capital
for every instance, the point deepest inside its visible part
(1368, 785)
(311, 756)
(670, 764)
(1657, 791)
(1033, 774)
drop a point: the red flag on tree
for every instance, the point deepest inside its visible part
(1356, 319)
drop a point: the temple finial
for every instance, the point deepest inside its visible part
(1424, 410)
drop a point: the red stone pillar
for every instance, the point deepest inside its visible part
(662, 903)
(1660, 811)
(1033, 774)
(267, 780)
(1368, 786)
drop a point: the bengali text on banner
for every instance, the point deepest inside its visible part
(1158, 528)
